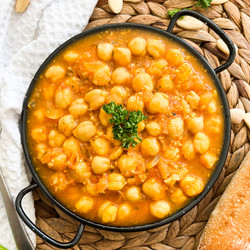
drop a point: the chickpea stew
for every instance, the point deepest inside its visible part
(71, 139)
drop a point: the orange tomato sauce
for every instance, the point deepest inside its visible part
(71, 142)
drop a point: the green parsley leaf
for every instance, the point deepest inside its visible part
(171, 13)
(125, 124)
(203, 3)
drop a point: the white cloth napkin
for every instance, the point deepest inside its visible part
(26, 40)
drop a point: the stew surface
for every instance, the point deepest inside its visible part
(71, 140)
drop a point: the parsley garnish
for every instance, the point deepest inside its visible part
(125, 124)
(203, 3)
(171, 13)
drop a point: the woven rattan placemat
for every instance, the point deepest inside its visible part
(234, 18)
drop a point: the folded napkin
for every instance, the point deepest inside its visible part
(26, 40)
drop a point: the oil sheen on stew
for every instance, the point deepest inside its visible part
(70, 137)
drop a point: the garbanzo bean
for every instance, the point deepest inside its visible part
(80, 172)
(208, 159)
(100, 164)
(188, 150)
(191, 185)
(201, 142)
(71, 145)
(153, 128)
(71, 56)
(56, 139)
(127, 163)
(160, 209)
(58, 162)
(166, 83)
(84, 131)
(101, 146)
(178, 196)
(155, 47)
(39, 134)
(195, 124)
(116, 182)
(175, 127)
(55, 73)
(120, 76)
(158, 104)
(150, 146)
(117, 95)
(175, 57)
(193, 99)
(78, 107)
(84, 205)
(95, 98)
(153, 189)
(102, 76)
(122, 56)
(66, 124)
(137, 46)
(141, 126)
(104, 118)
(141, 82)
(123, 212)
(135, 102)
(104, 51)
(63, 98)
(133, 194)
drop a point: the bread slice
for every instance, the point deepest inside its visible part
(229, 224)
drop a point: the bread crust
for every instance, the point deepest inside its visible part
(229, 224)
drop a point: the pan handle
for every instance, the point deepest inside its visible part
(214, 27)
(36, 230)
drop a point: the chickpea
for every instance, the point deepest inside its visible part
(191, 185)
(71, 145)
(137, 46)
(127, 163)
(156, 68)
(84, 131)
(56, 139)
(155, 47)
(122, 56)
(102, 76)
(78, 107)
(104, 51)
(172, 153)
(188, 150)
(178, 196)
(134, 103)
(70, 56)
(55, 73)
(185, 107)
(102, 208)
(175, 127)
(214, 125)
(166, 83)
(208, 159)
(80, 172)
(117, 95)
(133, 194)
(120, 76)
(123, 212)
(108, 213)
(160, 209)
(66, 124)
(104, 118)
(73, 82)
(39, 134)
(100, 164)
(211, 107)
(175, 57)
(150, 146)
(141, 126)
(63, 98)
(158, 104)
(39, 115)
(58, 162)
(101, 146)
(205, 99)
(95, 98)
(153, 189)
(49, 92)
(153, 128)
(41, 149)
(59, 181)
(116, 182)
(201, 142)
(142, 81)
(84, 205)
(193, 99)
(195, 124)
